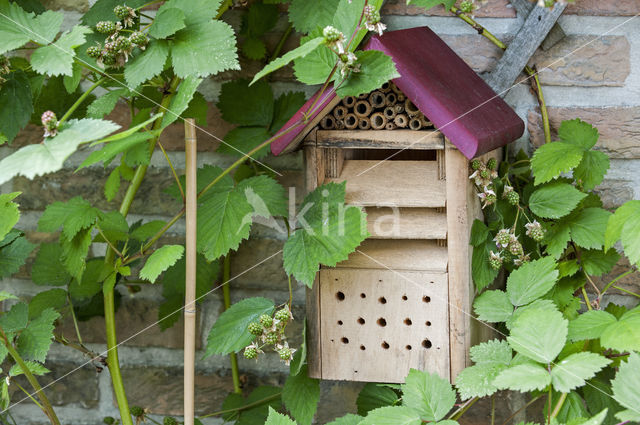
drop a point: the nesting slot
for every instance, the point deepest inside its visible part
(361, 320)
(408, 347)
(362, 347)
(362, 108)
(426, 343)
(426, 299)
(377, 99)
(339, 112)
(385, 345)
(344, 340)
(382, 322)
(340, 322)
(351, 121)
(363, 295)
(404, 298)
(340, 296)
(391, 99)
(408, 322)
(401, 120)
(378, 121)
(364, 123)
(382, 300)
(349, 101)
(328, 122)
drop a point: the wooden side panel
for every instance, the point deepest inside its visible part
(406, 223)
(377, 324)
(334, 160)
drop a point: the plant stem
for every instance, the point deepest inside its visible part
(29, 396)
(628, 272)
(226, 295)
(281, 42)
(559, 404)
(586, 298)
(109, 299)
(476, 26)
(46, 405)
(80, 100)
(626, 291)
(245, 407)
(224, 7)
(462, 409)
(533, 400)
(173, 170)
(537, 88)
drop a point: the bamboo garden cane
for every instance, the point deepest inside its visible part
(190, 272)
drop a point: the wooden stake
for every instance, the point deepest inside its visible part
(190, 272)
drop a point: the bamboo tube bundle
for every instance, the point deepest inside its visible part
(364, 123)
(386, 87)
(377, 99)
(390, 126)
(363, 96)
(401, 97)
(411, 109)
(425, 122)
(391, 99)
(395, 88)
(328, 122)
(401, 120)
(399, 108)
(389, 112)
(339, 112)
(415, 124)
(340, 124)
(351, 121)
(378, 121)
(349, 101)
(362, 108)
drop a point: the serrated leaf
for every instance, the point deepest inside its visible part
(17, 27)
(73, 216)
(241, 140)
(161, 260)
(552, 159)
(291, 55)
(57, 58)
(596, 262)
(428, 394)
(53, 298)
(347, 16)
(284, 107)
(300, 396)
(13, 255)
(555, 200)
(373, 396)
(196, 10)
(428, 4)
(166, 22)
(147, 230)
(9, 212)
(148, 64)
(112, 185)
(307, 15)
(104, 104)
(300, 356)
(49, 156)
(71, 82)
(477, 381)
(590, 325)
(74, 252)
(617, 221)
(111, 149)
(493, 306)
(314, 67)
(329, 232)
(588, 227)
(524, 378)
(181, 100)
(539, 334)
(625, 386)
(34, 341)
(393, 415)
(592, 169)
(572, 372)
(623, 335)
(204, 49)
(103, 9)
(15, 319)
(479, 233)
(630, 239)
(266, 196)
(197, 109)
(230, 334)
(34, 367)
(16, 103)
(236, 109)
(254, 48)
(276, 418)
(258, 414)
(579, 133)
(376, 68)
(481, 271)
(493, 351)
(542, 305)
(531, 281)
(349, 419)
(556, 238)
(47, 268)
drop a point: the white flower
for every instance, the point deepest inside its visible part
(348, 63)
(334, 39)
(372, 20)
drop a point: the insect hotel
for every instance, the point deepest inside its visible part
(403, 299)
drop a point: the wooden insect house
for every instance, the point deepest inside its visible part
(403, 299)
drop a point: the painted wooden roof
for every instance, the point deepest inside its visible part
(445, 89)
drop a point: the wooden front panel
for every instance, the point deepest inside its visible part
(406, 223)
(375, 325)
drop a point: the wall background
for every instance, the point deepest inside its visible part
(599, 83)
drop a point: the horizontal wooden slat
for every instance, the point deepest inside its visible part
(381, 139)
(398, 254)
(406, 223)
(393, 183)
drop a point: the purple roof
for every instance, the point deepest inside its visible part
(458, 102)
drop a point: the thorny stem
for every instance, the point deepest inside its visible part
(476, 26)
(610, 284)
(46, 404)
(75, 319)
(281, 42)
(549, 398)
(586, 298)
(241, 408)
(79, 101)
(559, 405)
(29, 395)
(626, 291)
(79, 346)
(537, 88)
(462, 409)
(226, 295)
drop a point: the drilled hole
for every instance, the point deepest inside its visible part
(426, 299)
(340, 322)
(426, 343)
(363, 295)
(408, 347)
(404, 298)
(382, 300)
(345, 340)
(340, 295)
(362, 347)
(385, 345)
(408, 322)
(382, 322)
(361, 320)
(428, 323)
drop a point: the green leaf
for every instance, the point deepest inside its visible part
(330, 232)
(578, 133)
(9, 212)
(57, 58)
(166, 22)
(236, 109)
(491, 352)
(300, 356)
(625, 387)
(524, 378)
(161, 260)
(284, 107)
(479, 233)
(197, 109)
(204, 49)
(539, 334)
(572, 372)
(376, 68)
(347, 17)
(254, 48)
(307, 15)
(552, 159)
(596, 262)
(34, 367)
(181, 100)
(34, 341)
(47, 268)
(230, 334)
(314, 67)
(598, 396)
(241, 140)
(392, 415)
(556, 238)
(17, 27)
(14, 255)
(53, 298)
(7, 296)
(49, 156)
(258, 414)
(481, 271)
(623, 335)
(276, 418)
(477, 381)
(493, 306)
(428, 394)
(261, 18)
(428, 4)
(555, 200)
(630, 240)
(112, 185)
(590, 325)
(15, 103)
(592, 168)
(291, 55)
(104, 104)
(349, 419)
(74, 252)
(103, 9)
(373, 396)
(111, 149)
(72, 82)
(300, 396)
(114, 226)
(15, 319)
(588, 227)
(148, 64)
(73, 216)
(531, 281)
(266, 196)
(618, 220)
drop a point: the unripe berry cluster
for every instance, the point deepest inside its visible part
(509, 250)
(483, 176)
(269, 331)
(50, 123)
(117, 47)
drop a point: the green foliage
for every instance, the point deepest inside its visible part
(15, 104)
(181, 100)
(539, 334)
(572, 372)
(307, 15)
(262, 399)
(300, 396)
(376, 68)
(276, 418)
(148, 64)
(168, 20)
(531, 281)
(235, 108)
(291, 55)
(104, 104)
(9, 212)
(428, 4)
(398, 415)
(18, 27)
(161, 260)
(57, 58)
(36, 338)
(523, 377)
(428, 394)
(624, 225)
(14, 250)
(555, 200)
(624, 334)
(373, 396)
(625, 388)
(493, 306)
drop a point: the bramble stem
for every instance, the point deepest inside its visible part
(245, 407)
(537, 88)
(476, 26)
(559, 404)
(173, 170)
(586, 298)
(281, 42)
(610, 284)
(462, 409)
(79, 101)
(226, 295)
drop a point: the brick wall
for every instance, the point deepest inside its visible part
(599, 82)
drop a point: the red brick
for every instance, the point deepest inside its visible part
(490, 9)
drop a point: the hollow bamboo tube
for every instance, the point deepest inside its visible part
(339, 124)
(191, 196)
(339, 112)
(390, 126)
(389, 112)
(425, 122)
(350, 121)
(401, 120)
(411, 109)
(399, 108)
(377, 99)
(363, 96)
(364, 123)
(385, 88)
(328, 122)
(395, 89)
(401, 97)
(391, 99)
(378, 121)
(349, 101)
(415, 124)
(362, 108)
